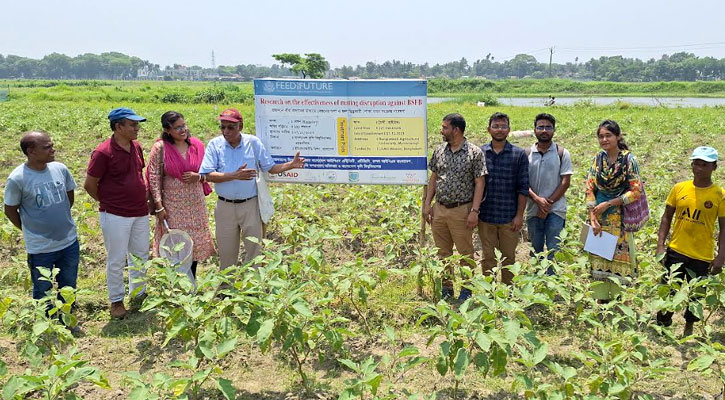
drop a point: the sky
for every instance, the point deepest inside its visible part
(351, 33)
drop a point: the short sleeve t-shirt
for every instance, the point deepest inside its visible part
(121, 185)
(43, 205)
(696, 210)
(545, 172)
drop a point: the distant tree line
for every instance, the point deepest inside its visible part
(110, 65)
(675, 67)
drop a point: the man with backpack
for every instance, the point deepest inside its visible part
(550, 173)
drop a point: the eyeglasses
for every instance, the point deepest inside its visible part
(229, 127)
(179, 128)
(545, 128)
(499, 126)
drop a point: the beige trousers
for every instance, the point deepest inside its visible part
(498, 236)
(449, 229)
(233, 220)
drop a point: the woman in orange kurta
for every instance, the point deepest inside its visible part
(177, 188)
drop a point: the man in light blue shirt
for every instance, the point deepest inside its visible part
(231, 162)
(38, 199)
(550, 173)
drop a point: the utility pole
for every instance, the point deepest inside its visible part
(551, 56)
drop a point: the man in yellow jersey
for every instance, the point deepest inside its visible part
(695, 205)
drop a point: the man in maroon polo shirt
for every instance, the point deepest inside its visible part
(115, 179)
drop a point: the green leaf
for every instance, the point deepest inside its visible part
(350, 364)
(442, 365)
(225, 385)
(461, 363)
(445, 348)
(483, 342)
(408, 351)
(12, 387)
(302, 309)
(253, 324)
(347, 394)
(696, 309)
(178, 387)
(265, 329)
(679, 297)
(139, 393)
(540, 352)
(178, 326)
(40, 327)
(389, 332)
(499, 360)
(206, 349)
(512, 329)
(480, 360)
(569, 372)
(701, 363)
(375, 383)
(226, 346)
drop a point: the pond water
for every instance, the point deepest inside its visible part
(645, 101)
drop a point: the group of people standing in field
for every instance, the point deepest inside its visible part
(39, 195)
(499, 187)
(496, 188)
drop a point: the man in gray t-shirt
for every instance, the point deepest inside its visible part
(549, 177)
(38, 199)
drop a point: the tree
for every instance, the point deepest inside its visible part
(312, 65)
(56, 66)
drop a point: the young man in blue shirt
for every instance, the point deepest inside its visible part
(501, 213)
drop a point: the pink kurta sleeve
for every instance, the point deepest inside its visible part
(156, 174)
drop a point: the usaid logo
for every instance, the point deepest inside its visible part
(268, 86)
(353, 176)
(289, 174)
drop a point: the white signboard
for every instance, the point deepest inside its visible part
(360, 132)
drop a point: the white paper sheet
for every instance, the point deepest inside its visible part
(602, 245)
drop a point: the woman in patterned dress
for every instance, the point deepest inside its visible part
(613, 181)
(177, 188)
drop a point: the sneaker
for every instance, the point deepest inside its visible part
(446, 293)
(688, 329)
(118, 311)
(464, 295)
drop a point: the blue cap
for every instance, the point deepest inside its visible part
(704, 153)
(123, 112)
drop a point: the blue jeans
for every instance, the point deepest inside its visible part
(66, 260)
(545, 231)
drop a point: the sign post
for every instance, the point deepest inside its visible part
(352, 132)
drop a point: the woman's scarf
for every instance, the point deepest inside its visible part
(612, 178)
(175, 165)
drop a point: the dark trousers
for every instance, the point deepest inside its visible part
(66, 260)
(690, 268)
